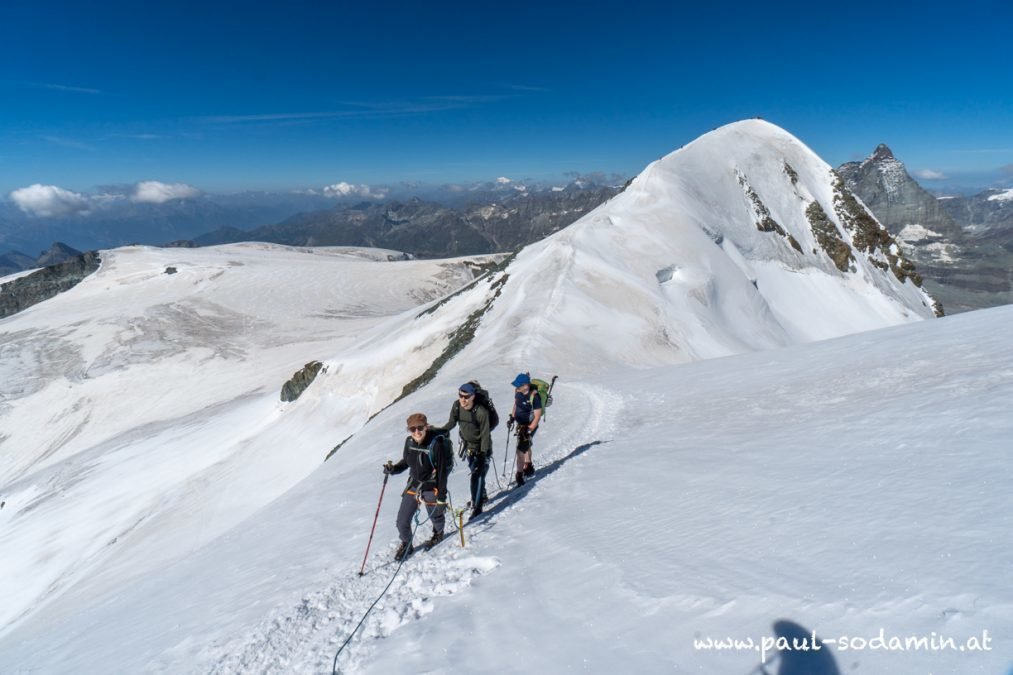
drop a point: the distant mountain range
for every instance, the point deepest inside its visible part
(427, 222)
(13, 262)
(431, 230)
(109, 223)
(962, 246)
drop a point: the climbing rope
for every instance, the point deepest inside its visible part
(334, 666)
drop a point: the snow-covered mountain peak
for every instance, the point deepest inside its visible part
(740, 241)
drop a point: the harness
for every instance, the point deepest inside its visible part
(427, 452)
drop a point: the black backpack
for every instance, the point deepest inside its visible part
(448, 450)
(482, 399)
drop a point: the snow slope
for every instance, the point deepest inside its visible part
(131, 401)
(838, 485)
(668, 497)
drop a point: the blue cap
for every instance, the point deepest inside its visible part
(467, 388)
(521, 379)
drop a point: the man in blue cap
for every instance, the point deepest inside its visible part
(476, 439)
(527, 413)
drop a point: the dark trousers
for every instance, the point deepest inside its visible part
(524, 437)
(479, 466)
(409, 504)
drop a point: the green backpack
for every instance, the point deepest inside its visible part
(544, 390)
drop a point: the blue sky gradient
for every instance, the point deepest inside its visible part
(231, 96)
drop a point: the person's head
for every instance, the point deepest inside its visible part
(417, 425)
(466, 395)
(522, 383)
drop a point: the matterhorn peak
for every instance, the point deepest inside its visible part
(881, 153)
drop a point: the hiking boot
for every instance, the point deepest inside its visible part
(520, 478)
(529, 470)
(434, 540)
(476, 511)
(403, 551)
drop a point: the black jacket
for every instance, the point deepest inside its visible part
(422, 473)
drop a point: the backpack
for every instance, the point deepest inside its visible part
(543, 388)
(448, 448)
(482, 399)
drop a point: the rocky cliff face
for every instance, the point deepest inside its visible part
(46, 283)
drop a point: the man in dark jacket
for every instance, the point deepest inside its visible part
(427, 457)
(476, 440)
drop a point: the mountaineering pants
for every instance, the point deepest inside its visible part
(478, 463)
(409, 504)
(524, 437)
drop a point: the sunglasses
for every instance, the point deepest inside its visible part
(465, 396)
(414, 429)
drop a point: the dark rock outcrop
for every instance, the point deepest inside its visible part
(302, 379)
(828, 237)
(46, 283)
(870, 236)
(761, 214)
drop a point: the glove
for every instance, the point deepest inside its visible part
(388, 468)
(511, 421)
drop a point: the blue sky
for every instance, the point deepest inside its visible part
(227, 96)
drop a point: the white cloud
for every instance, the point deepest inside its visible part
(49, 200)
(155, 192)
(929, 174)
(344, 189)
(503, 180)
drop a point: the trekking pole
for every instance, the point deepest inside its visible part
(370, 542)
(506, 450)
